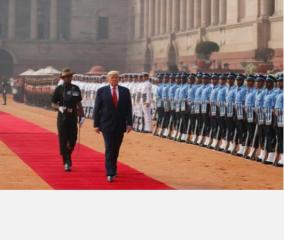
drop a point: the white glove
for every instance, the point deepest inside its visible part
(82, 121)
(62, 109)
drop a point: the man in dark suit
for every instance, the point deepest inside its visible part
(112, 117)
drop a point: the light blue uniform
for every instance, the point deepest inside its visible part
(205, 97)
(213, 99)
(240, 101)
(221, 100)
(191, 96)
(172, 92)
(159, 95)
(177, 98)
(268, 105)
(165, 96)
(183, 96)
(279, 108)
(230, 100)
(197, 98)
(250, 104)
(259, 100)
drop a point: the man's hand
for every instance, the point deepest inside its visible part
(82, 120)
(129, 129)
(62, 109)
(97, 130)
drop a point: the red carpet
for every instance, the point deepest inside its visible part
(38, 148)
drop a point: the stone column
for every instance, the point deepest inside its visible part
(146, 18)
(264, 8)
(205, 12)
(197, 13)
(34, 19)
(163, 14)
(12, 19)
(183, 14)
(278, 7)
(151, 18)
(223, 11)
(189, 14)
(175, 17)
(214, 12)
(157, 17)
(53, 20)
(169, 16)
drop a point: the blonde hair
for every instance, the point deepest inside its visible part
(111, 73)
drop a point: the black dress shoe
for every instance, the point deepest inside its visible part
(110, 179)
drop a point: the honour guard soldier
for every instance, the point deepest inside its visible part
(197, 108)
(171, 96)
(270, 134)
(146, 103)
(177, 105)
(67, 100)
(190, 103)
(165, 105)
(230, 116)
(221, 113)
(260, 127)
(182, 137)
(159, 106)
(212, 143)
(249, 117)
(279, 120)
(205, 109)
(241, 127)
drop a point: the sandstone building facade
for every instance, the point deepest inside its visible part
(137, 35)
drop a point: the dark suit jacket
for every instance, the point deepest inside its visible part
(108, 118)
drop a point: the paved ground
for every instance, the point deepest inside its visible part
(179, 165)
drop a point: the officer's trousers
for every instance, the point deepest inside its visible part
(260, 136)
(199, 122)
(67, 133)
(184, 125)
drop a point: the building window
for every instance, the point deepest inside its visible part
(3, 18)
(43, 19)
(241, 9)
(64, 19)
(103, 28)
(23, 19)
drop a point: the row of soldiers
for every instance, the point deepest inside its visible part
(234, 113)
(141, 89)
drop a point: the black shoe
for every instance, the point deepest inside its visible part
(67, 168)
(110, 179)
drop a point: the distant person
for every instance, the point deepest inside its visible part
(4, 89)
(112, 117)
(67, 100)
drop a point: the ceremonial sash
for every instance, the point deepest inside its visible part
(230, 109)
(268, 116)
(249, 111)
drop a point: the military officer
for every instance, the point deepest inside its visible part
(220, 142)
(259, 111)
(212, 142)
(67, 100)
(192, 86)
(197, 108)
(146, 103)
(205, 109)
(270, 134)
(230, 114)
(159, 104)
(249, 116)
(279, 120)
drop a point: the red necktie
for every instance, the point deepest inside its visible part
(114, 97)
